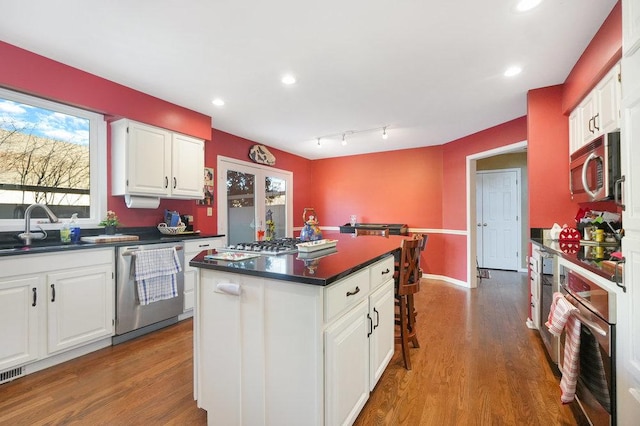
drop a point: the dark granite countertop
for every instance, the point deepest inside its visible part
(596, 259)
(318, 268)
(10, 246)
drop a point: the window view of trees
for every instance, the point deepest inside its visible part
(44, 158)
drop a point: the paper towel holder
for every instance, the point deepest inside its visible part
(141, 202)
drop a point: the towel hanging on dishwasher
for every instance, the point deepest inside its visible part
(155, 274)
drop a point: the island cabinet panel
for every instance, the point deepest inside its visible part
(260, 358)
(281, 352)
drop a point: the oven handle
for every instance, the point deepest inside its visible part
(592, 325)
(133, 252)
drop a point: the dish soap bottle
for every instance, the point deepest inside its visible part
(74, 228)
(65, 233)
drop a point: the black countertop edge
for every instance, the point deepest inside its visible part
(591, 265)
(224, 266)
(10, 246)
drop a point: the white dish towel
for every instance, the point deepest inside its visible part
(155, 274)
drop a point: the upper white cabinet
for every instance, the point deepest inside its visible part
(630, 26)
(149, 161)
(598, 113)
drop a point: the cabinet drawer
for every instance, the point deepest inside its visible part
(346, 293)
(381, 271)
(196, 246)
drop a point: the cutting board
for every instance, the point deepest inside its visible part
(96, 239)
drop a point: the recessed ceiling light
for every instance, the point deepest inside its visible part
(511, 71)
(524, 5)
(288, 79)
(218, 102)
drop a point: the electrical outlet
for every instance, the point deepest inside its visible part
(209, 211)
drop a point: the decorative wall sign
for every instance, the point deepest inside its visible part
(261, 155)
(207, 189)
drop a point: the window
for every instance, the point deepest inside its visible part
(52, 154)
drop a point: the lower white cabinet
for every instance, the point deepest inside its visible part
(19, 314)
(54, 302)
(191, 274)
(277, 352)
(80, 306)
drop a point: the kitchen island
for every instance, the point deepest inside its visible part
(296, 338)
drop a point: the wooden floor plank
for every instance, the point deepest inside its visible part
(478, 364)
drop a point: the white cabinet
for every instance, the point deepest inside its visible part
(80, 306)
(628, 303)
(630, 27)
(347, 365)
(55, 303)
(535, 289)
(20, 300)
(149, 161)
(259, 350)
(598, 113)
(191, 274)
(276, 352)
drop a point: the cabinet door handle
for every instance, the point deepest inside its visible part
(591, 125)
(595, 121)
(53, 292)
(166, 182)
(175, 182)
(354, 292)
(377, 318)
(35, 296)
(385, 272)
(370, 326)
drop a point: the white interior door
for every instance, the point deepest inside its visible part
(498, 218)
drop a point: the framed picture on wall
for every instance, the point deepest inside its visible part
(207, 189)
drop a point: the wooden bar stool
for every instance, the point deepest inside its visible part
(407, 284)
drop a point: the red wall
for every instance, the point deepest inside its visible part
(228, 145)
(36, 75)
(602, 53)
(548, 159)
(454, 197)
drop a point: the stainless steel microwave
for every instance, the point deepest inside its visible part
(595, 169)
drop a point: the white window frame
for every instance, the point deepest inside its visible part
(97, 158)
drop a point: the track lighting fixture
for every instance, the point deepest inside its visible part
(344, 134)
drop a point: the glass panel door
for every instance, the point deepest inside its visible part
(241, 206)
(258, 202)
(275, 207)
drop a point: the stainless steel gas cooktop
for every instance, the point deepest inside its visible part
(273, 247)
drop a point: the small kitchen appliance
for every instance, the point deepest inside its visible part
(595, 171)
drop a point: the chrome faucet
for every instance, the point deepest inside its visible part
(27, 236)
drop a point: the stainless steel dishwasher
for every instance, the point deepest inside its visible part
(133, 319)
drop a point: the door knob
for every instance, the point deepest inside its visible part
(479, 224)
(484, 224)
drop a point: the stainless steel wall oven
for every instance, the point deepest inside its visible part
(596, 387)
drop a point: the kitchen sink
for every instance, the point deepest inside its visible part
(37, 246)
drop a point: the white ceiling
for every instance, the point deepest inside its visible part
(429, 70)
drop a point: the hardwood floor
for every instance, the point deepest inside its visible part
(478, 364)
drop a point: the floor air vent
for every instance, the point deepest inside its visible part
(7, 376)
